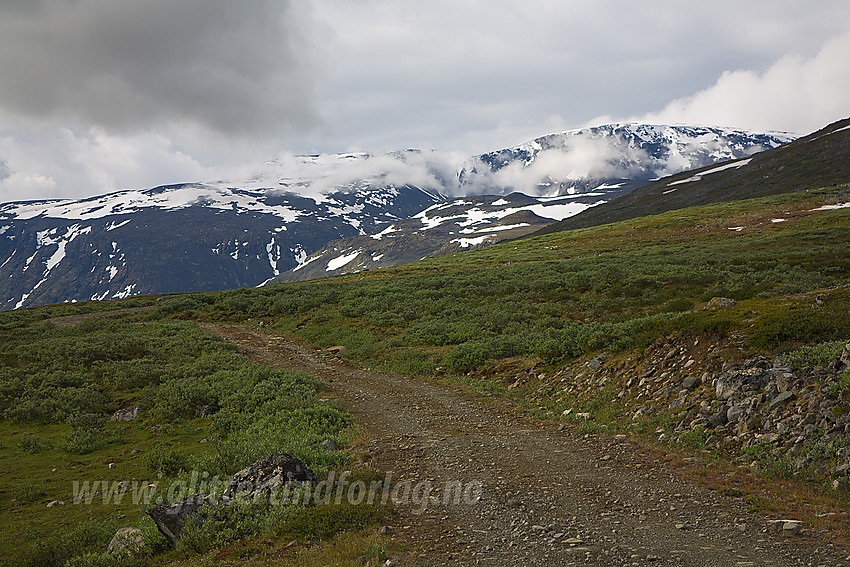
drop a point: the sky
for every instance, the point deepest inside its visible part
(103, 95)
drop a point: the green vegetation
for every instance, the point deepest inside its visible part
(473, 317)
(564, 295)
(60, 384)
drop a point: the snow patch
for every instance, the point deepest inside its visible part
(699, 176)
(341, 261)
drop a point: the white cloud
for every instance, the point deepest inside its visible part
(795, 94)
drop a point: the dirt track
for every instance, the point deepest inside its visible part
(549, 497)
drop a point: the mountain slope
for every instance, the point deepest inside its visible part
(444, 227)
(177, 238)
(577, 161)
(229, 234)
(817, 160)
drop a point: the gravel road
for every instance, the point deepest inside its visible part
(548, 496)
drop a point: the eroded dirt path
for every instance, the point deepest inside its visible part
(549, 497)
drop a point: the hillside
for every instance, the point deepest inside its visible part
(611, 330)
(816, 160)
(227, 234)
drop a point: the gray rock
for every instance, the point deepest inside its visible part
(126, 414)
(268, 475)
(328, 445)
(172, 519)
(719, 418)
(845, 356)
(720, 303)
(127, 541)
(728, 384)
(782, 399)
(691, 382)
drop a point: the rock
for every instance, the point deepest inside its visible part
(391, 562)
(112, 465)
(127, 541)
(206, 411)
(171, 519)
(691, 382)
(782, 399)
(792, 527)
(53, 503)
(267, 475)
(728, 384)
(719, 418)
(328, 445)
(597, 361)
(385, 530)
(336, 350)
(841, 470)
(127, 414)
(720, 303)
(845, 356)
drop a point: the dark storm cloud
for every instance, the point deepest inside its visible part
(234, 67)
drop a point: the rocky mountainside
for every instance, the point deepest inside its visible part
(177, 238)
(625, 155)
(229, 234)
(817, 160)
(444, 227)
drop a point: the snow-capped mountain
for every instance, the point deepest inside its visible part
(274, 217)
(583, 160)
(447, 226)
(178, 238)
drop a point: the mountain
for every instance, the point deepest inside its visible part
(276, 215)
(627, 155)
(177, 238)
(817, 160)
(447, 226)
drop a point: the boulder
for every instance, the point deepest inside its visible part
(845, 356)
(728, 384)
(720, 303)
(782, 399)
(172, 519)
(127, 541)
(268, 475)
(126, 414)
(691, 382)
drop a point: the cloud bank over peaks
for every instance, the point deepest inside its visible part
(795, 94)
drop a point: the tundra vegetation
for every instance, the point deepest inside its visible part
(499, 319)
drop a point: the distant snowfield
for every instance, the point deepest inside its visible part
(699, 176)
(126, 202)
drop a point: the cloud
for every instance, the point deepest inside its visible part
(795, 94)
(236, 68)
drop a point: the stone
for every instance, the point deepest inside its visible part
(391, 562)
(127, 541)
(719, 418)
(53, 503)
(127, 414)
(720, 303)
(782, 399)
(328, 445)
(792, 527)
(845, 356)
(596, 361)
(267, 475)
(728, 384)
(385, 530)
(172, 519)
(691, 382)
